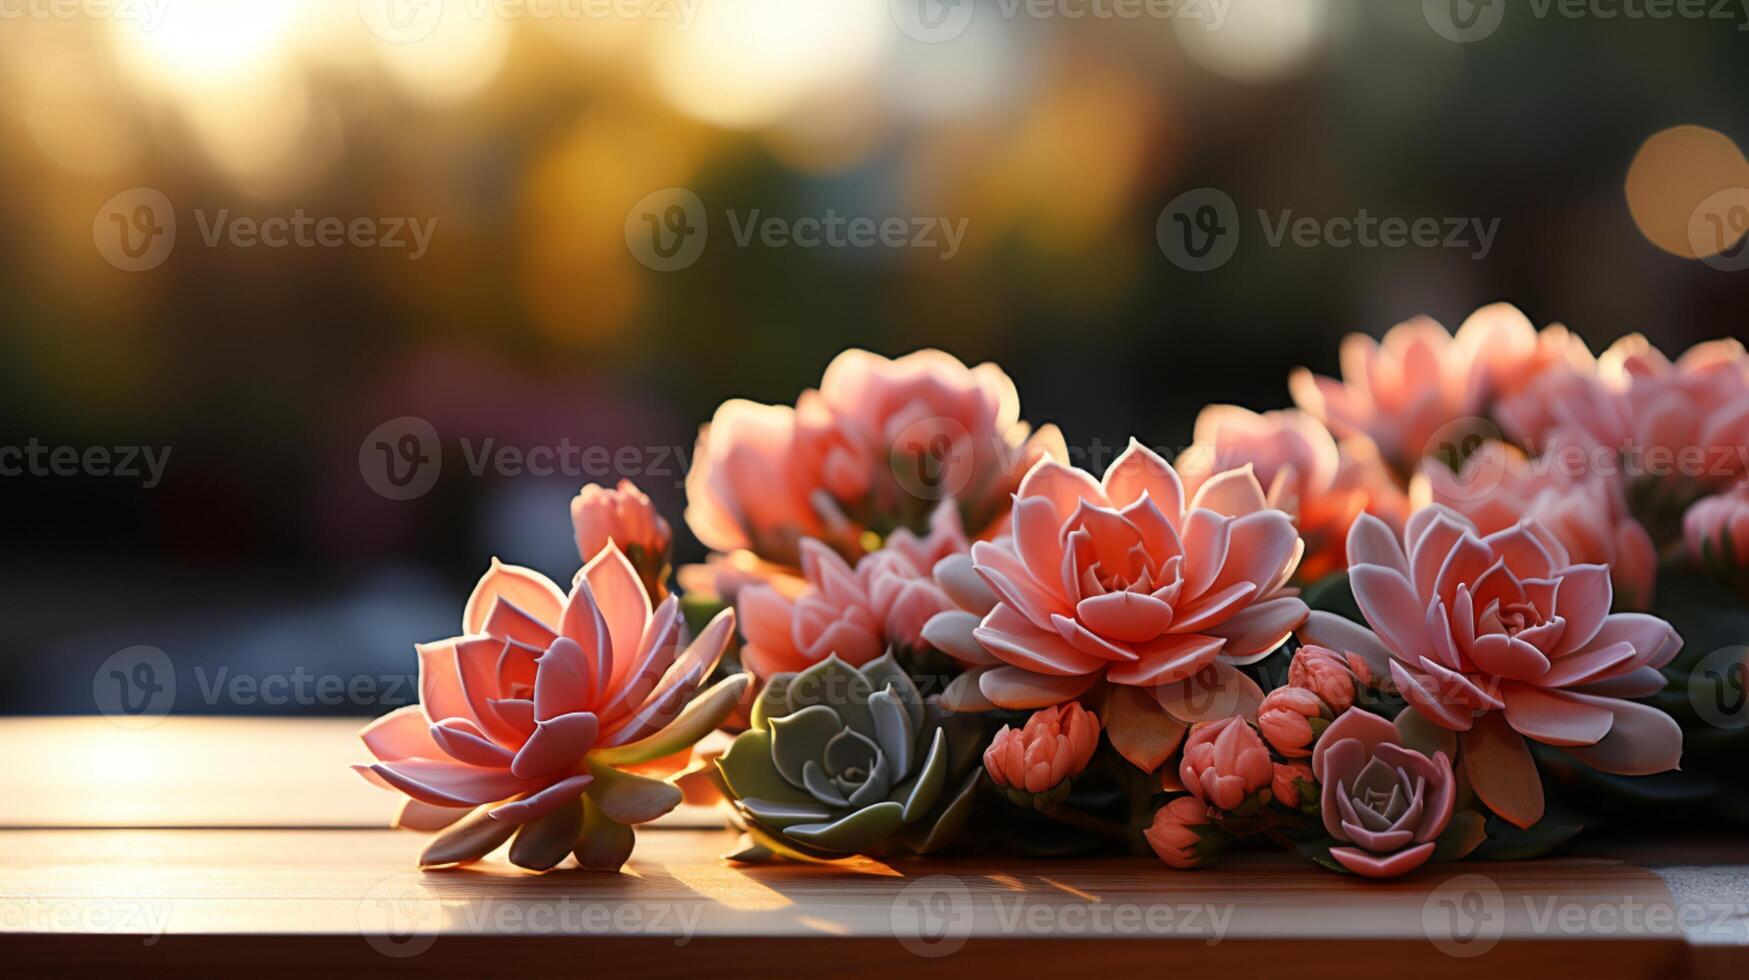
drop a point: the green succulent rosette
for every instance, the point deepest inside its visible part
(844, 761)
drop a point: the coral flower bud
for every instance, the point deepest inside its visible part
(1294, 786)
(1034, 764)
(1291, 718)
(1225, 764)
(1333, 677)
(1184, 835)
(624, 516)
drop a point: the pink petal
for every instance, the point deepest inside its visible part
(1015, 640)
(1064, 486)
(449, 783)
(556, 745)
(1139, 470)
(1392, 609)
(1554, 717)
(1582, 598)
(1372, 542)
(619, 593)
(1167, 659)
(462, 741)
(1508, 657)
(543, 802)
(1366, 729)
(1641, 741)
(1382, 866)
(562, 683)
(1233, 493)
(404, 733)
(1259, 629)
(425, 818)
(1017, 689)
(528, 590)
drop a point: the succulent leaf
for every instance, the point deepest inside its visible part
(541, 844)
(702, 715)
(629, 798)
(856, 831)
(604, 845)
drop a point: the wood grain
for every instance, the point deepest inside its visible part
(203, 846)
(282, 901)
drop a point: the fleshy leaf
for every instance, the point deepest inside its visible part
(604, 845)
(629, 798)
(894, 729)
(468, 841)
(1139, 728)
(541, 844)
(700, 717)
(853, 832)
(748, 770)
(930, 778)
(800, 738)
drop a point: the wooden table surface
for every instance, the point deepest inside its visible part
(205, 846)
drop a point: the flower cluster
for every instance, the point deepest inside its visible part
(1363, 627)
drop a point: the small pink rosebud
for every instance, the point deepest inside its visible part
(1225, 763)
(1184, 833)
(1041, 758)
(1294, 786)
(1291, 718)
(1333, 677)
(626, 517)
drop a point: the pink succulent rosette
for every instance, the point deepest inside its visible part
(1403, 391)
(855, 613)
(1321, 484)
(1386, 803)
(1400, 391)
(1497, 487)
(1501, 638)
(535, 714)
(1126, 581)
(1645, 417)
(874, 449)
